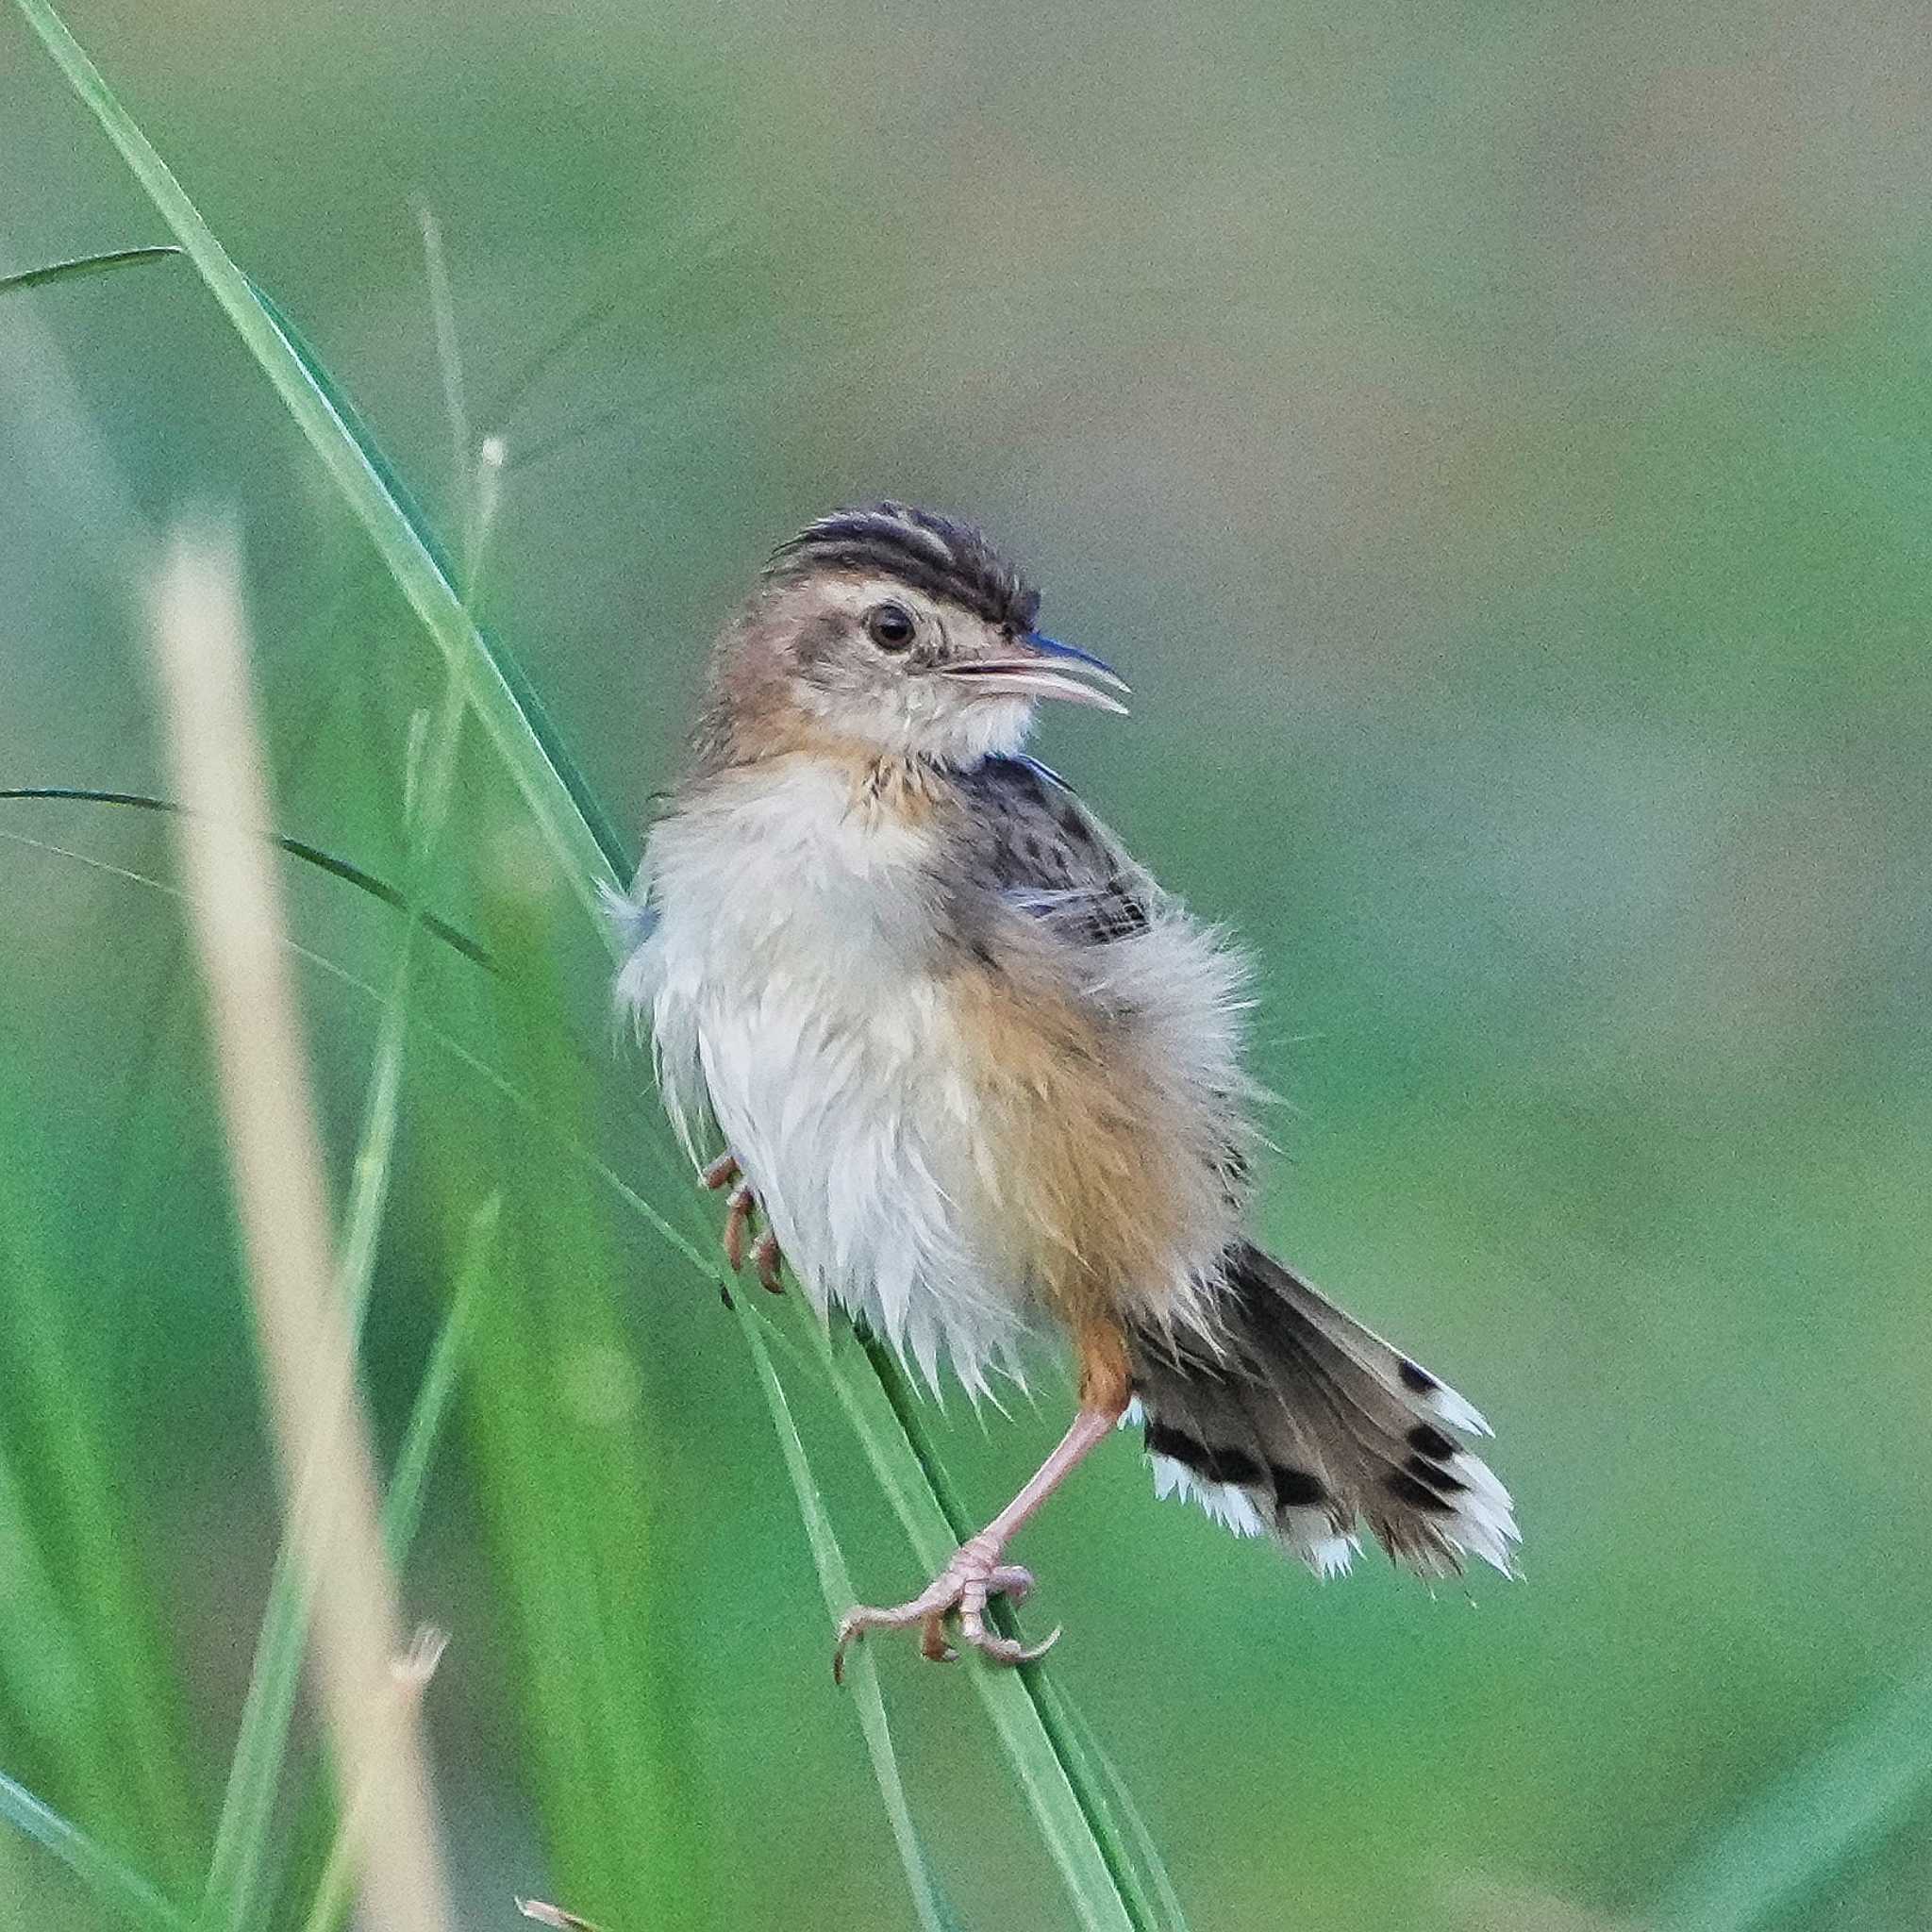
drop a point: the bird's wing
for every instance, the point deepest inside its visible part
(1133, 956)
(1044, 854)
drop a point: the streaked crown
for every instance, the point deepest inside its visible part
(930, 553)
(897, 631)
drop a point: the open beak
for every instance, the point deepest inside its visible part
(1042, 667)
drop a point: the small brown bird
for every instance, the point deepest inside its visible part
(983, 1077)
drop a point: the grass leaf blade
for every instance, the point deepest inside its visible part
(323, 861)
(402, 1509)
(935, 1915)
(1811, 1823)
(1068, 1805)
(102, 1873)
(82, 265)
(568, 818)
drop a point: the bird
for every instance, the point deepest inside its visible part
(983, 1081)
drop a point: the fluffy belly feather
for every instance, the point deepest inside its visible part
(790, 991)
(948, 1142)
(852, 1123)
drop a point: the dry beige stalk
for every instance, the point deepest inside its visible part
(275, 1158)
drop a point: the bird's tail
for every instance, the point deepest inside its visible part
(1302, 1425)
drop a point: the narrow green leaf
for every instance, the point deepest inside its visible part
(104, 1874)
(570, 821)
(935, 1915)
(1028, 1713)
(329, 862)
(1068, 1803)
(254, 1768)
(1152, 1864)
(1804, 1829)
(84, 265)
(402, 1509)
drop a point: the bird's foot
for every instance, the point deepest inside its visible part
(962, 1589)
(739, 1211)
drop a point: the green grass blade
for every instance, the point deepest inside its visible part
(1052, 1733)
(329, 862)
(1810, 1824)
(84, 265)
(120, 1739)
(935, 1915)
(261, 1743)
(402, 1509)
(1028, 1716)
(104, 1874)
(1070, 1807)
(1152, 1866)
(568, 820)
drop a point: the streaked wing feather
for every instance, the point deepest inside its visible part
(1044, 852)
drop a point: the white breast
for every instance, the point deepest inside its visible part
(788, 987)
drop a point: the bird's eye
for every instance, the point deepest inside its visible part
(890, 627)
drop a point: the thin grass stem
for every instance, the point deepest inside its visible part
(83, 265)
(402, 1508)
(1027, 1714)
(835, 1581)
(1068, 1807)
(103, 1874)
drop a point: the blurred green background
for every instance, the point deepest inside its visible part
(1494, 440)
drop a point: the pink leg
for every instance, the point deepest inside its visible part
(975, 1572)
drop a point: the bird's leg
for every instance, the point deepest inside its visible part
(975, 1574)
(738, 1210)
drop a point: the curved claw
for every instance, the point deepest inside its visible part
(740, 1213)
(737, 1213)
(766, 1259)
(1007, 1651)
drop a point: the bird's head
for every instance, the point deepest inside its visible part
(898, 631)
